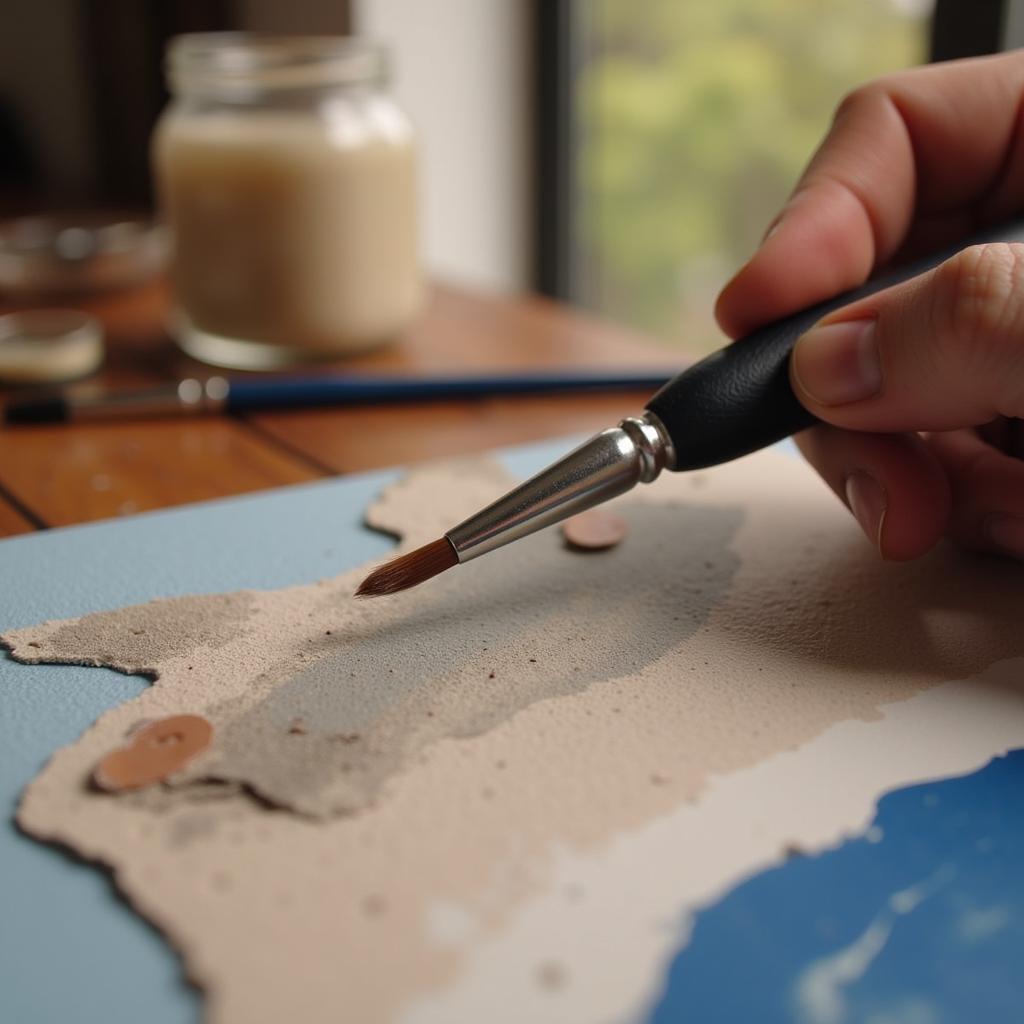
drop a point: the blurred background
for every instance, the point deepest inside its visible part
(693, 123)
(625, 155)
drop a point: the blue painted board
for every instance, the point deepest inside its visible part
(70, 950)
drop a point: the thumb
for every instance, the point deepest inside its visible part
(941, 351)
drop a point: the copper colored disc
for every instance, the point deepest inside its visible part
(594, 530)
(154, 752)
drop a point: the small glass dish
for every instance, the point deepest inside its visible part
(49, 346)
(75, 255)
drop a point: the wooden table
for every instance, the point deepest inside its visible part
(63, 474)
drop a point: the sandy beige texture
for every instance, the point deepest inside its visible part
(377, 759)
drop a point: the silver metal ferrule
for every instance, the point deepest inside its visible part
(186, 398)
(607, 465)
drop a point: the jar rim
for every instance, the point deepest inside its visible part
(255, 60)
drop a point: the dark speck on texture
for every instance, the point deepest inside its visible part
(551, 975)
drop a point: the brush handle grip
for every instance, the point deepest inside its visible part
(739, 399)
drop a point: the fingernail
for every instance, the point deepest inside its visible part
(867, 500)
(838, 363)
(1007, 533)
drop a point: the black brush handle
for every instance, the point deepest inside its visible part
(739, 399)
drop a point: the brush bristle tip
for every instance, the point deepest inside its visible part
(409, 570)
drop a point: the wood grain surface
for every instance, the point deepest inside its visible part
(71, 473)
(12, 521)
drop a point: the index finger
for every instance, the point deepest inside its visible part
(934, 151)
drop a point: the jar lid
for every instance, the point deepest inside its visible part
(241, 62)
(49, 346)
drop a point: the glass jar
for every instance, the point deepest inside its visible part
(286, 174)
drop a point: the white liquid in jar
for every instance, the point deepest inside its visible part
(293, 229)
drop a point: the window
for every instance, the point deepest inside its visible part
(671, 131)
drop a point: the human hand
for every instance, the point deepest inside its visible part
(921, 386)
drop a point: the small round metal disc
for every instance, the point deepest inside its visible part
(594, 530)
(49, 346)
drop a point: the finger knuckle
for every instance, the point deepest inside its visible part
(981, 290)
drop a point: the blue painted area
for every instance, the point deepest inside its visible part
(69, 949)
(956, 845)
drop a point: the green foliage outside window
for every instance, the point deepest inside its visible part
(695, 119)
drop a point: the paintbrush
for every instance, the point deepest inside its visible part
(88, 402)
(733, 402)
